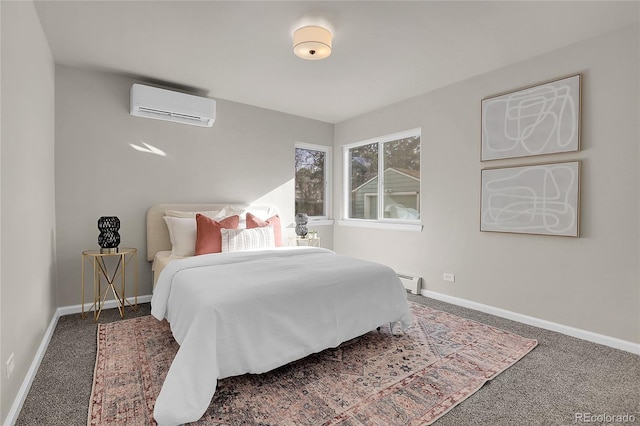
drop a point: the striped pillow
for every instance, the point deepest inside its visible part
(247, 239)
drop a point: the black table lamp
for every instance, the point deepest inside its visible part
(108, 239)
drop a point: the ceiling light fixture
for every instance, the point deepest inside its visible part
(312, 42)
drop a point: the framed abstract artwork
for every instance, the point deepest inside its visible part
(539, 199)
(536, 120)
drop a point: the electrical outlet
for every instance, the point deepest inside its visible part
(449, 277)
(10, 366)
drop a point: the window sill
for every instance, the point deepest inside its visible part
(320, 222)
(403, 226)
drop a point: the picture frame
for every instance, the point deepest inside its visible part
(541, 119)
(542, 199)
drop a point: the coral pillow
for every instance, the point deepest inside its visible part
(255, 222)
(208, 237)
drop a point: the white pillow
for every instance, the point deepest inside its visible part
(183, 229)
(213, 214)
(182, 233)
(261, 212)
(247, 239)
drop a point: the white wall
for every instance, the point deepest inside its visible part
(592, 282)
(247, 156)
(27, 216)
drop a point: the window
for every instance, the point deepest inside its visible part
(394, 194)
(312, 171)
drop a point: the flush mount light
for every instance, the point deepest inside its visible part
(312, 42)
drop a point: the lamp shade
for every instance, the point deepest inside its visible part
(312, 42)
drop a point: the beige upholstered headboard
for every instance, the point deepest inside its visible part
(157, 231)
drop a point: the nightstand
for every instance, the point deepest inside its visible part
(112, 268)
(299, 241)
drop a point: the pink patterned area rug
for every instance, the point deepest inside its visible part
(375, 379)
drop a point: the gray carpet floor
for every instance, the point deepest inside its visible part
(561, 378)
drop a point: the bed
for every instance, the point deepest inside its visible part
(251, 311)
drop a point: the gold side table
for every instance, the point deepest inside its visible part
(101, 262)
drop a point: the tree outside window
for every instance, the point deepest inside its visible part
(311, 171)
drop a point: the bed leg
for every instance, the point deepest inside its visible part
(397, 333)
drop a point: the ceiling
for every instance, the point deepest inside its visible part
(383, 51)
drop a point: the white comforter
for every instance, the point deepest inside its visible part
(250, 312)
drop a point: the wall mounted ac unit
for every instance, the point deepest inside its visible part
(411, 283)
(161, 104)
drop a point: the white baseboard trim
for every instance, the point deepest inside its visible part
(108, 304)
(537, 322)
(12, 416)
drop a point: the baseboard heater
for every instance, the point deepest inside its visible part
(411, 282)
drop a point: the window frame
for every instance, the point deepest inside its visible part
(380, 222)
(326, 217)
